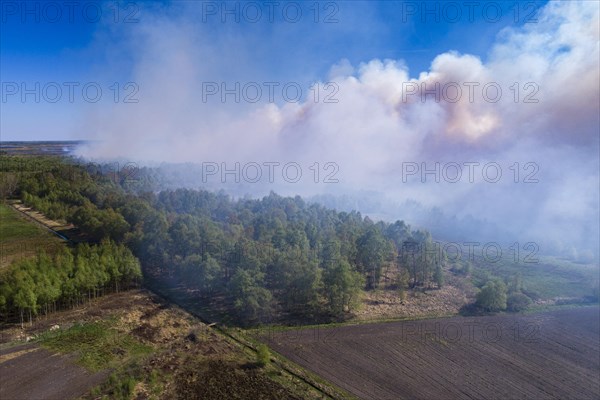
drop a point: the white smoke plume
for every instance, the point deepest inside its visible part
(380, 121)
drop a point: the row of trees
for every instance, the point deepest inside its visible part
(70, 277)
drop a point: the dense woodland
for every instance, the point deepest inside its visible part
(259, 258)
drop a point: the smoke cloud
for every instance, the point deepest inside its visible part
(532, 100)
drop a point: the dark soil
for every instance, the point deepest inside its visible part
(552, 355)
(30, 372)
(220, 380)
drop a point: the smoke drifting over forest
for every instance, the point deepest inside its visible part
(533, 100)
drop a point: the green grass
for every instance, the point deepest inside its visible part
(21, 238)
(550, 277)
(15, 227)
(97, 345)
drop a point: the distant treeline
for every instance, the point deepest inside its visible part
(262, 258)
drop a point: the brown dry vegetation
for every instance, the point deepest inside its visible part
(187, 357)
(36, 215)
(66, 230)
(386, 302)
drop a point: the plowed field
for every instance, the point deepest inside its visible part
(547, 355)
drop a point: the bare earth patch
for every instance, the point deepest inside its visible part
(387, 304)
(36, 215)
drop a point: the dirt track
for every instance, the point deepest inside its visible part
(30, 372)
(543, 356)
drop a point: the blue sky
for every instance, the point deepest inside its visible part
(371, 51)
(41, 43)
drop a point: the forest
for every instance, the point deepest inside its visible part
(261, 259)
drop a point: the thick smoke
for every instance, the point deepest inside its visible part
(386, 121)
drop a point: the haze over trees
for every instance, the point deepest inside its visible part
(258, 258)
(247, 261)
